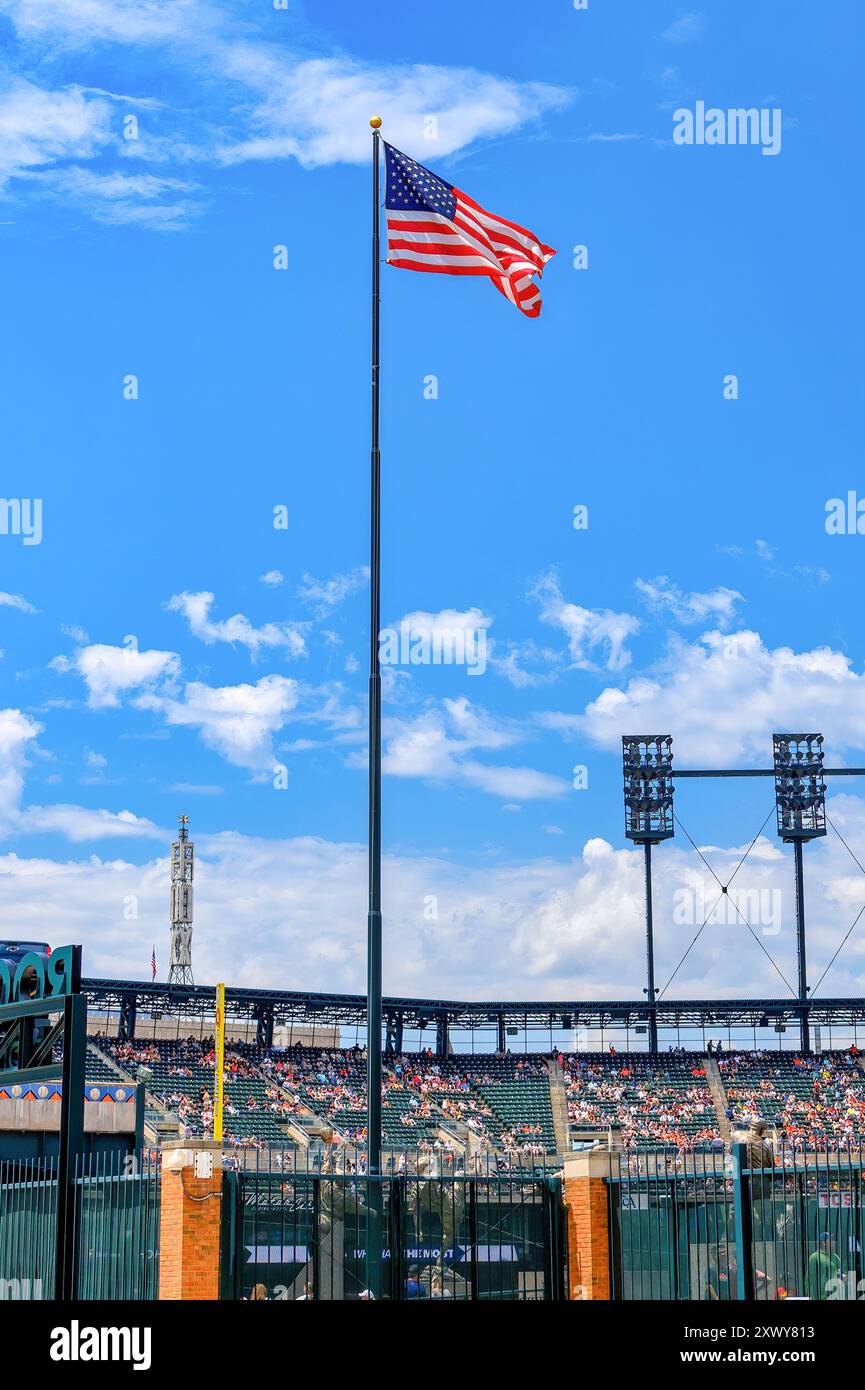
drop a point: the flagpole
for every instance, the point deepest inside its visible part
(373, 988)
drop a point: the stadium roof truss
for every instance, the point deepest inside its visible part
(309, 1010)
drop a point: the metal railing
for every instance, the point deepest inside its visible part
(742, 1224)
(115, 1227)
(301, 1233)
(28, 1216)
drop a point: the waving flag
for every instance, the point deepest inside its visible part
(153, 965)
(433, 226)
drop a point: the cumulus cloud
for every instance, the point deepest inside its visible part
(110, 672)
(539, 927)
(80, 824)
(438, 746)
(665, 597)
(317, 110)
(588, 630)
(18, 733)
(723, 695)
(237, 629)
(236, 721)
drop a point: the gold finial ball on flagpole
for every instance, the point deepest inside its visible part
(375, 122)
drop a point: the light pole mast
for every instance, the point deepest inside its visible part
(182, 868)
(647, 765)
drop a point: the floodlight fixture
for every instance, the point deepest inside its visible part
(647, 766)
(800, 792)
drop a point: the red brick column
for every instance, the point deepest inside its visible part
(586, 1186)
(190, 1222)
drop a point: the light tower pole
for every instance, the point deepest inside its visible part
(182, 868)
(800, 801)
(647, 766)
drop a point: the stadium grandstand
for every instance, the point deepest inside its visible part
(467, 1089)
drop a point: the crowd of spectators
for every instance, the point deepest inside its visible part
(652, 1100)
(812, 1101)
(504, 1101)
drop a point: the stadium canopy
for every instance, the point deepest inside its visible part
(280, 1007)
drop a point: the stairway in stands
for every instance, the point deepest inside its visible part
(719, 1096)
(559, 1105)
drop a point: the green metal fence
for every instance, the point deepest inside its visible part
(115, 1203)
(302, 1234)
(117, 1226)
(28, 1213)
(803, 1219)
(713, 1226)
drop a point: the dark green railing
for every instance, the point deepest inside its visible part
(115, 1202)
(28, 1212)
(117, 1227)
(294, 1233)
(715, 1226)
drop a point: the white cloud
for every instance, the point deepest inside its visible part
(273, 577)
(664, 596)
(237, 629)
(723, 695)
(38, 127)
(587, 629)
(119, 199)
(509, 659)
(237, 721)
(110, 672)
(80, 824)
(326, 594)
(243, 98)
(437, 746)
(109, 21)
(538, 928)
(317, 111)
(447, 621)
(16, 601)
(689, 29)
(17, 733)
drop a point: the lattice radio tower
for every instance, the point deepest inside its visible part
(182, 866)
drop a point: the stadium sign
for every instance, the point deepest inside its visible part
(41, 1006)
(38, 976)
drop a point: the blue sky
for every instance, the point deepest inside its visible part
(129, 697)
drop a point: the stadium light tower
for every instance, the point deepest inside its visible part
(182, 868)
(647, 765)
(800, 803)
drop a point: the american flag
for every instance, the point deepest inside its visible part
(153, 965)
(433, 226)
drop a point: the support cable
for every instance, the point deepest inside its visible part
(856, 918)
(724, 887)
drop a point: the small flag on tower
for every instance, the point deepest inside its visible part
(433, 226)
(153, 965)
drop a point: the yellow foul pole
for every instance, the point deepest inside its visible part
(219, 1064)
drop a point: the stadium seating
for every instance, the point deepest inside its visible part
(653, 1098)
(650, 1099)
(810, 1100)
(182, 1079)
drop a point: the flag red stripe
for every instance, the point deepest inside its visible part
(472, 242)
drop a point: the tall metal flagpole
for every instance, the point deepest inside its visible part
(373, 947)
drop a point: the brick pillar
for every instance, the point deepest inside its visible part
(190, 1222)
(586, 1183)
